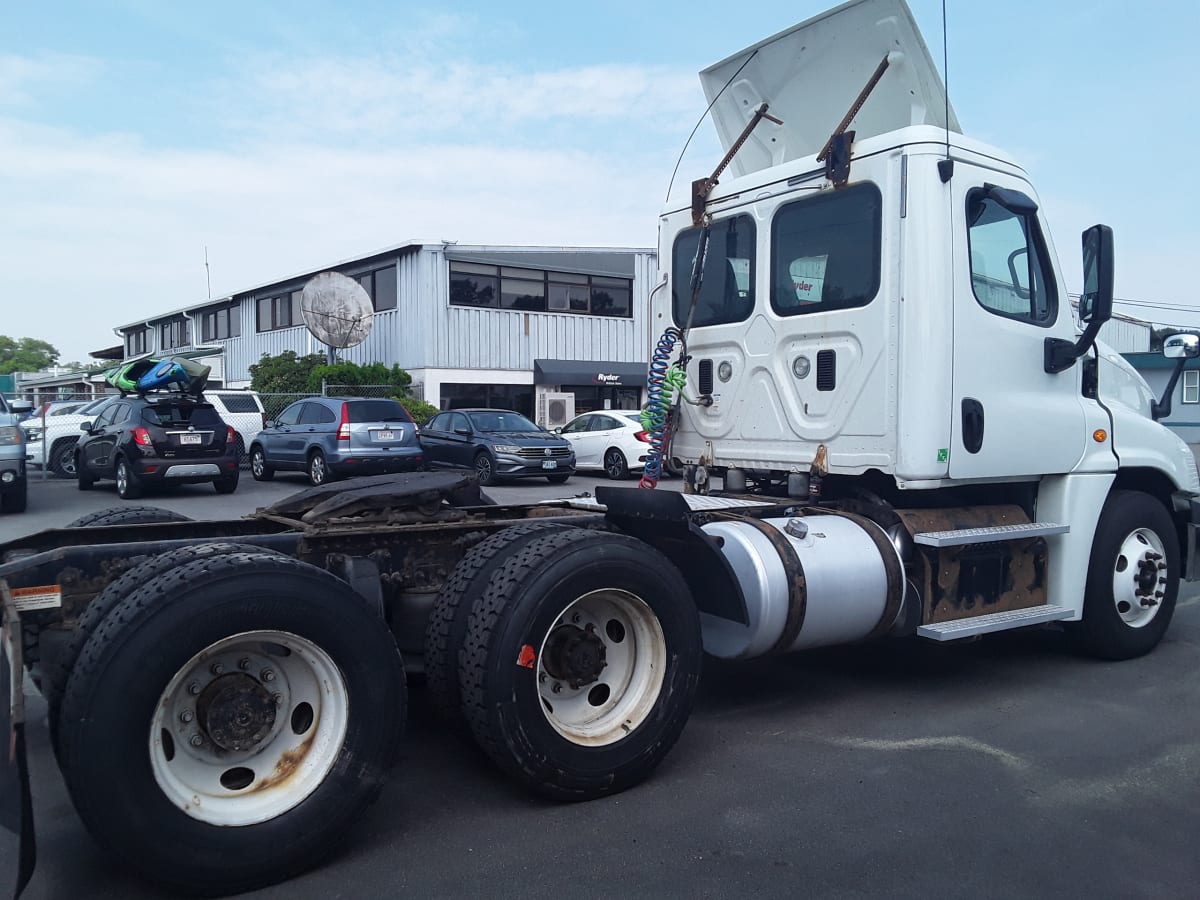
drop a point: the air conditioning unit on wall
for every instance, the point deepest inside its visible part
(556, 410)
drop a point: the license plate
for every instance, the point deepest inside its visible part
(385, 435)
(550, 464)
(190, 439)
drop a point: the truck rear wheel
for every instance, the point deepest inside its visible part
(580, 663)
(228, 722)
(59, 671)
(1133, 578)
(447, 625)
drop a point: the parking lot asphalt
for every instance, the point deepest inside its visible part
(1001, 767)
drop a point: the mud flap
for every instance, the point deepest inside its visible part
(18, 852)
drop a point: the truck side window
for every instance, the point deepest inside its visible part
(1009, 274)
(727, 291)
(825, 251)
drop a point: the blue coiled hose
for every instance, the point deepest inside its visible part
(660, 385)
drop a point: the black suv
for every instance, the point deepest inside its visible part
(157, 439)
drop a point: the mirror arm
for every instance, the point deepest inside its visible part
(1060, 355)
(1160, 409)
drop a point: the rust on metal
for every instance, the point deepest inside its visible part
(959, 582)
(289, 764)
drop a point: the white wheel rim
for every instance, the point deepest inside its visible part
(260, 772)
(1139, 577)
(605, 707)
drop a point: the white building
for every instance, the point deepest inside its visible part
(474, 325)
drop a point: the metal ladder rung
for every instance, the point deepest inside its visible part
(987, 535)
(1001, 621)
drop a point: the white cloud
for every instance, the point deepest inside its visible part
(22, 78)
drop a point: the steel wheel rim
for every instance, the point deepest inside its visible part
(621, 697)
(254, 778)
(256, 463)
(1139, 577)
(316, 469)
(614, 463)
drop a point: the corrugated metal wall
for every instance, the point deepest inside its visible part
(424, 331)
(1126, 336)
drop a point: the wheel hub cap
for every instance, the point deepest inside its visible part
(574, 655)
(236, 712)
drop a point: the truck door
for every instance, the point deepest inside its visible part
(1009, 416)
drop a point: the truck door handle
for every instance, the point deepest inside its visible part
(972, 424)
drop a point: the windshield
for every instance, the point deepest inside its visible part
(501, 420)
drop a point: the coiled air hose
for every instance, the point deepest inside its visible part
(662, 382)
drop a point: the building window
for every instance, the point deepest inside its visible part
(380, 285)
(1191, 385)
(220, 324)
(280, 311)
(174, 334)
(135, 342)
(537, 290)
(517, 397)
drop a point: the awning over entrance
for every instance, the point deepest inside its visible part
(570, 371)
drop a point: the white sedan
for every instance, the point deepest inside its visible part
(608, 439)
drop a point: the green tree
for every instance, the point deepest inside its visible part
(25, 355)
(420, 411)
(287, 373)
(347, 373)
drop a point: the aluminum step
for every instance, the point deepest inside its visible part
(1001, 621)
(987, 535)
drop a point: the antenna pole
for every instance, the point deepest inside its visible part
(946, 76)
(207, 272)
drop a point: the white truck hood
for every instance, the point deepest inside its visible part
(812, 73)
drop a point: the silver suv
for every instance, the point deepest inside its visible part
(332, 437)
(14, 486)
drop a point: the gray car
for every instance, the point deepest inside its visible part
(14, 485)
(337, 437)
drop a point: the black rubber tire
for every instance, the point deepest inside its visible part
(129, 515)
(15, 499)
(447, 625)
(128, 485)
(83, 478)
(259, 470)
(615, 466)
(558, 479)
(226, 484)
(239, 451)
(485, 469)
(55, 681)
(319, 472)
(499, 680)
(112, 695)
(1102, 632)
(62, 457)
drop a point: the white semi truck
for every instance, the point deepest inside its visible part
(912, 437)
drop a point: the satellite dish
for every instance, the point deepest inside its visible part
(336, 310)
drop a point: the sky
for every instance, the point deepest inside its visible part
(278, 137)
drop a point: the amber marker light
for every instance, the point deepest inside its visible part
(1099, 435)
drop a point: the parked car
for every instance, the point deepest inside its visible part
(157, 439)
(613, 440)
(496, 443)
(14, 484)
(51, 440)
(333, 437)
(244, 411)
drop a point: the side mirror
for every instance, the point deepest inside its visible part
(1095, 303)
(1180, 347)
(465, 432)
(269, 423)
(85, 426)
(558, 431)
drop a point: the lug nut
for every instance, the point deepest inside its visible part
(216, 668)
(556, 687)
(267, 675)
(186, 716)
(542, 676)
(196, 740)
(244, 663)
(194, 688)
(575, 617)
(278, 698)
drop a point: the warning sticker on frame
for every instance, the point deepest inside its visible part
(31, 598)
